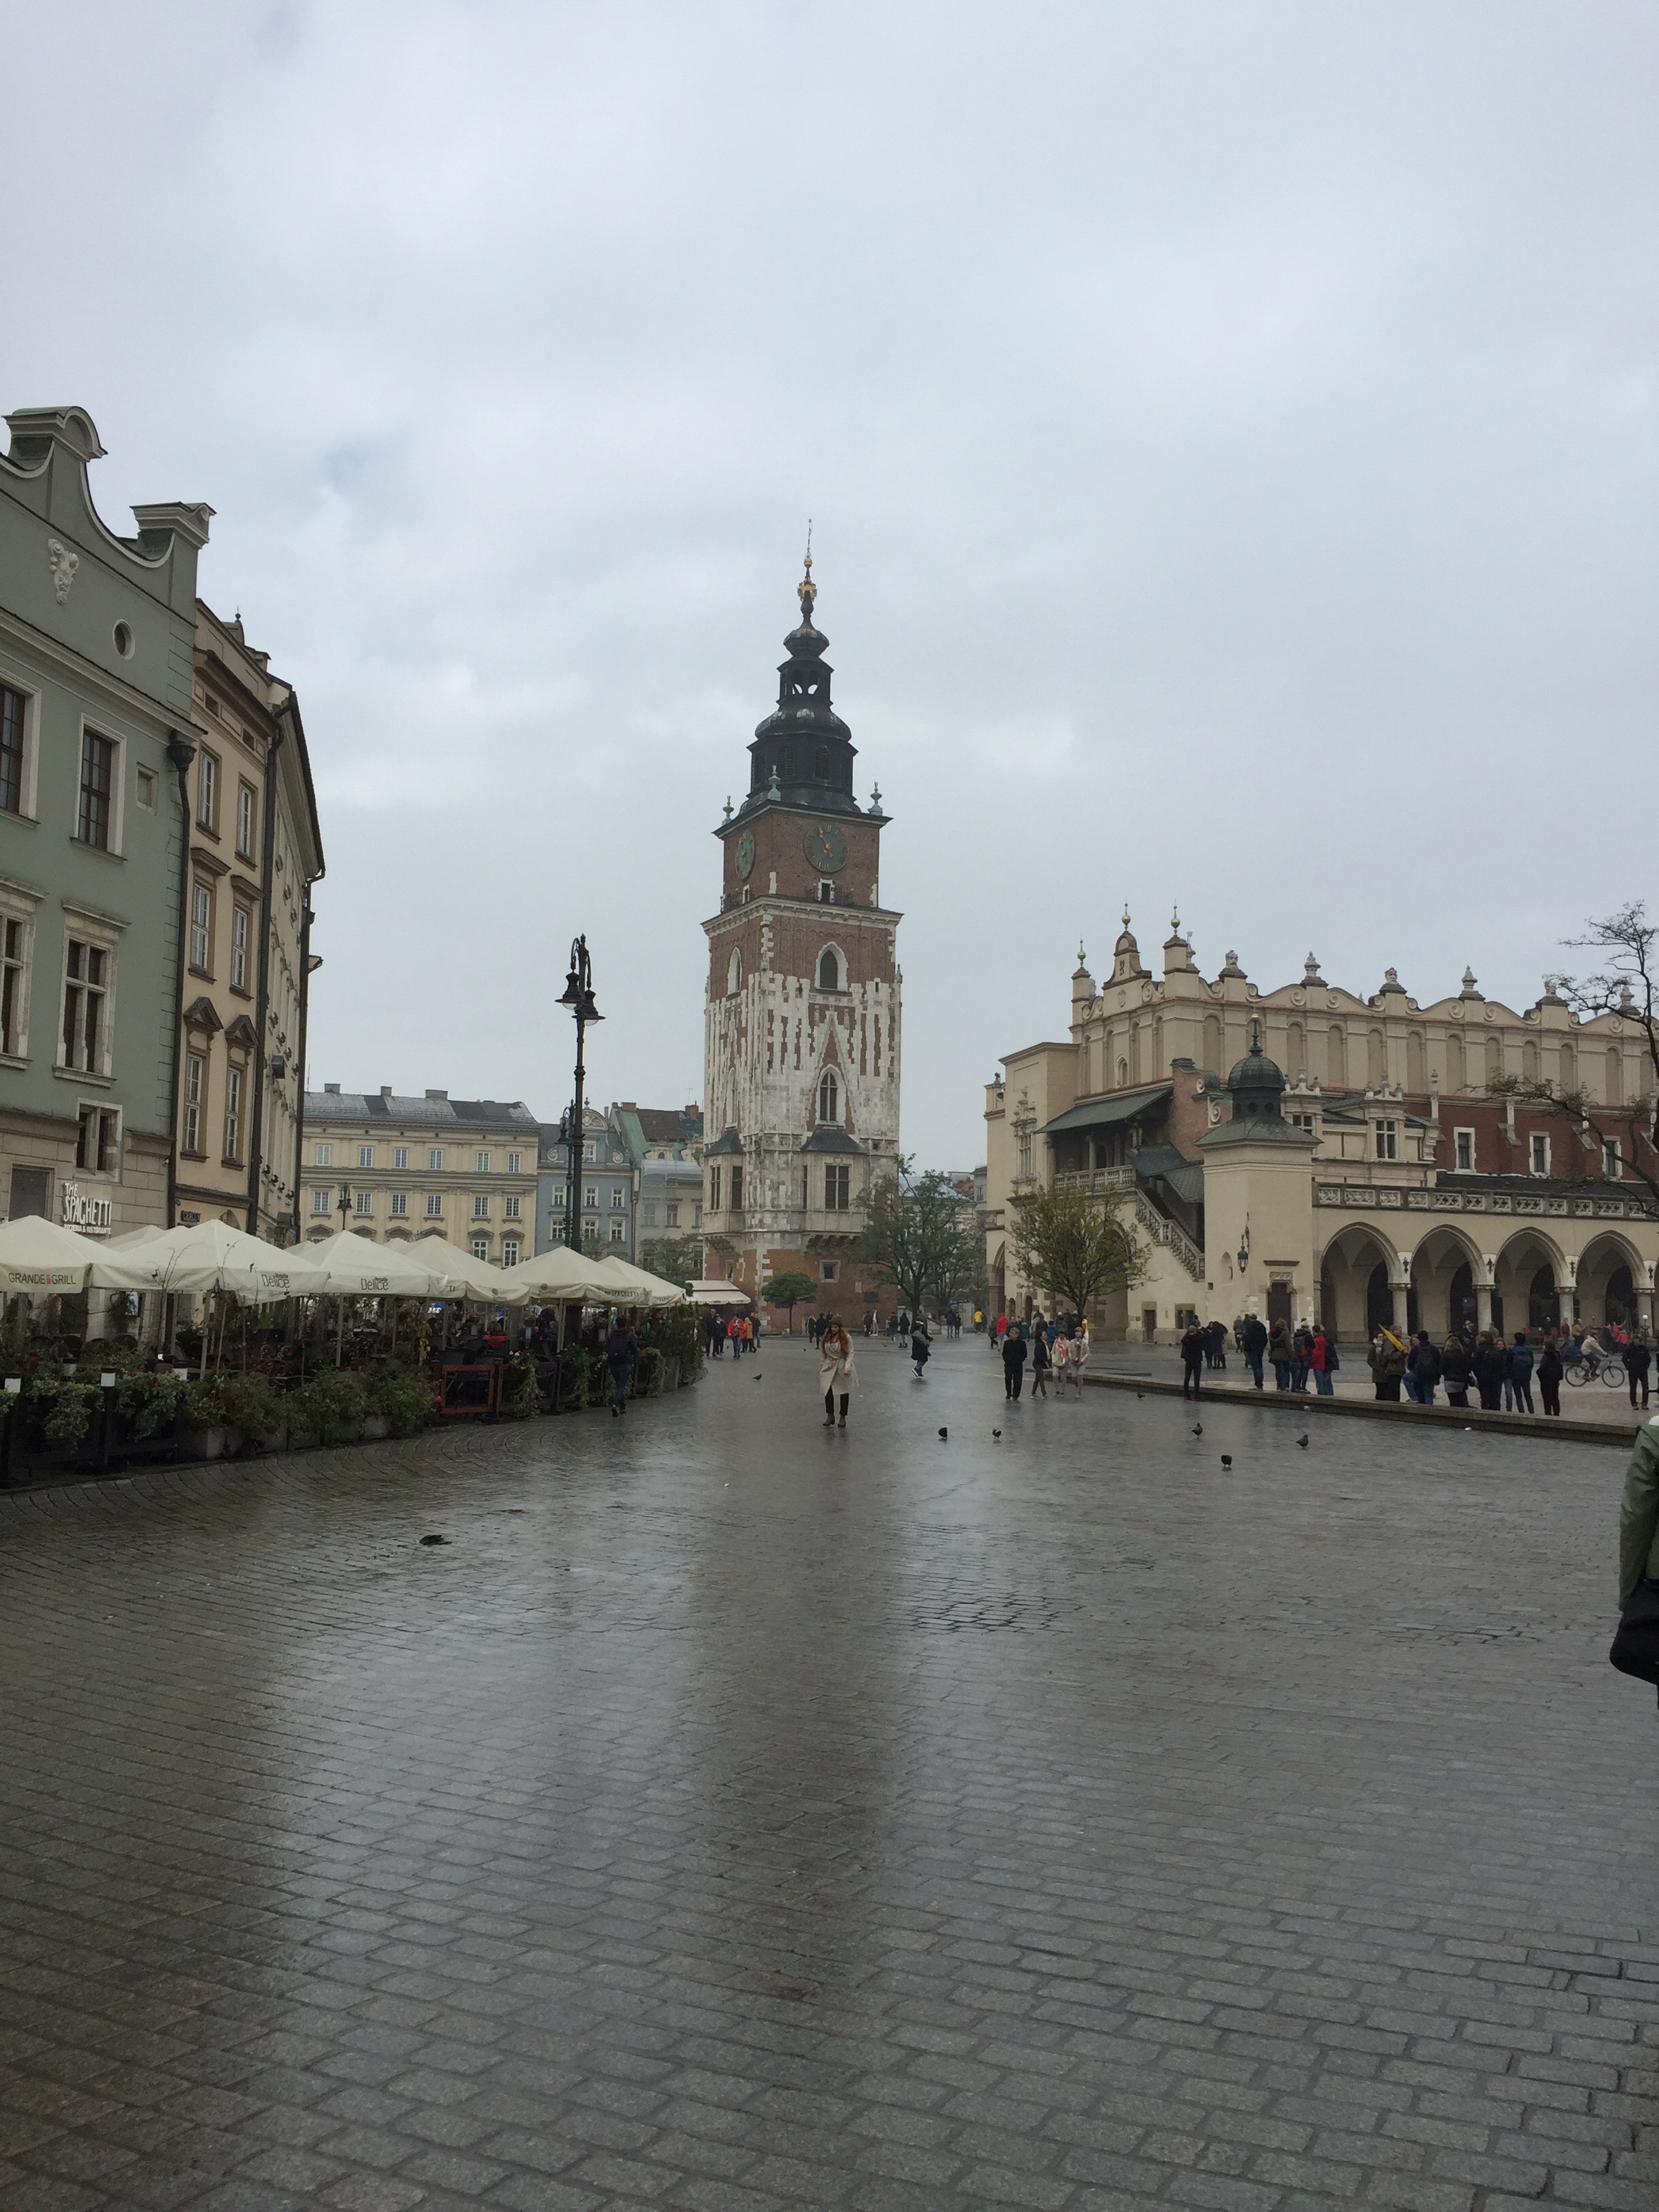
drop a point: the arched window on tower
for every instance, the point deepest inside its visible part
(733, 972)
(829, 969)
(829, 1096)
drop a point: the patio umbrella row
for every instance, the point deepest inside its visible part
(38, 1256)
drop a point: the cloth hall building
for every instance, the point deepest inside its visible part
(801, 1051)
(1308, 1153)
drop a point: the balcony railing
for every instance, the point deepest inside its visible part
(1096, 1182)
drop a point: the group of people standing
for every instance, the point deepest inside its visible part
(1501, 1372)
(1294, 1354)
(1057, 1351)
(736, 1330)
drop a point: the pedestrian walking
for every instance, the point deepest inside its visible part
(1324, 1363)
(922, 1346)
(1520, 1367)
(1550, 1372)
(1455, 1369)
(1638, 1362)
(1192, 1358)
(1013, 1363)
(621, 1350)
(836, 1373)
(1077, 1358)
(1062, 1350)
(1043, 1360)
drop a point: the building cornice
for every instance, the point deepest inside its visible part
(776, 903)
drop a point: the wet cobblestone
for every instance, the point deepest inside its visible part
(732, 1815)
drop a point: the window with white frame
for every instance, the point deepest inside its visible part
(435, 1160)
(195, 1096)
(590, 1230)
(400, 1155)
(481, 1248)
(480, 1205)
(616, 1197)
(207, 791)
(319, 1201)
(14, 725)
(1541, 1154)
(733, 973)
(616, 1232)
(483, 1163)
(400, 1204)
(588, 1151)
(1464, 1150)
(240, 924)
(362, 1201)
(98, 1140)
(1387, 1139)
(15, 939)
(201, 926)
(826, 892)
(235, 1080)
(829, 1096)
(434, 1204)
(1613, 1159)
(591, 1197)
(365, 1156)
(513, 1167)
(94, 820)
(88, 974)
(671, 1213)
(324, 1156)
(829, 969)
(513, 1207)
(244, 822)
(511, 1249)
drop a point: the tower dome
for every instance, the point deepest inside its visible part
(803, 752)
(1255, 1085)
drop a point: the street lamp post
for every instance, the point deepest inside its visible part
(578, 995)
(339, 1325)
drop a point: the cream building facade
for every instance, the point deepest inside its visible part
(255, 852)
(1360, 1165)
(465, 1168)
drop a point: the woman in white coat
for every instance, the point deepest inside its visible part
(836, 1376)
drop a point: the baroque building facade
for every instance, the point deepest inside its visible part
(96, 741)
(802, 1051)
(255, 851)
(1391, 1178)
(408, 1167)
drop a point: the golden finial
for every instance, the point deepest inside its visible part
(806, 590)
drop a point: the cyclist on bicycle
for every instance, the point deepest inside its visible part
(1591, 1347)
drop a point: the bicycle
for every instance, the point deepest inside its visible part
(1607, 1370)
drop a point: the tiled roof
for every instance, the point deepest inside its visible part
(469, 1113)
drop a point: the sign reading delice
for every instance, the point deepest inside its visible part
(83, 1211)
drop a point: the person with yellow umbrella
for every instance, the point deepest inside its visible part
(1388, 1358)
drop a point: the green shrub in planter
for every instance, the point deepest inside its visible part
(518, 1393)
(70, 1416)
(246, 1402)
(150, 1398)
(340, 1402)
(647, 1375)
(403, 1399)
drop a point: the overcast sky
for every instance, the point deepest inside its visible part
(1229, 431)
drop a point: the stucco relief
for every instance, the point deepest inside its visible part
(63, 564)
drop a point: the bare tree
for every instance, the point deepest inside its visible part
(1626, 982)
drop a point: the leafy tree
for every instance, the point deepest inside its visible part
(920, 1237)
(787, 1291)
(1074, 1247)
(1626, 983)
(675, 1259)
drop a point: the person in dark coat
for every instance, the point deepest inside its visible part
(922, 1346)
(1456, 1368)
(1491, 1364)
(1041, 1360)
(1423, 1363)
(1388, 1366)
(1638, 1360)
(1550, 1371)
(1014, 1362)
(1192, 1358)
(622, 1349)
(1521, 1366)
(1278, 1351)
(1253, 1342)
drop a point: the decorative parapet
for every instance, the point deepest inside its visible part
(1361, 1198)
(1096, 1182)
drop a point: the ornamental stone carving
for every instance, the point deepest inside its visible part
(63, 564)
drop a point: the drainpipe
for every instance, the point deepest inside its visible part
(262, 1015)
(181, 753)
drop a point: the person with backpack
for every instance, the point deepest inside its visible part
(1423, 1364)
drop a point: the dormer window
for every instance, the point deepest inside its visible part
(1387, 1139)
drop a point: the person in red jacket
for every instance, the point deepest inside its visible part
(1324, 1363)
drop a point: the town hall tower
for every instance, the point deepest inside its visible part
(801, 1034)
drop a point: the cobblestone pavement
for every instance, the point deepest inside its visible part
(733, 1815)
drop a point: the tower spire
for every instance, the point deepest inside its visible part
(807, 591)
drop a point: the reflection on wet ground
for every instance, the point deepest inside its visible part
(734, 1813)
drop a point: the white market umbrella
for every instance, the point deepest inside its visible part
(469, 1278)
(38, 1256)
(211, 1255)
(355, 1268)
(628, 1285)
(131, 1238)
(560, 1277)
(711, 1291)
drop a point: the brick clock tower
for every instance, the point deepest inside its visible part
(801, 1034)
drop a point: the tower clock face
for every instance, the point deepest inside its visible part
(826, 848)
(745, 853)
